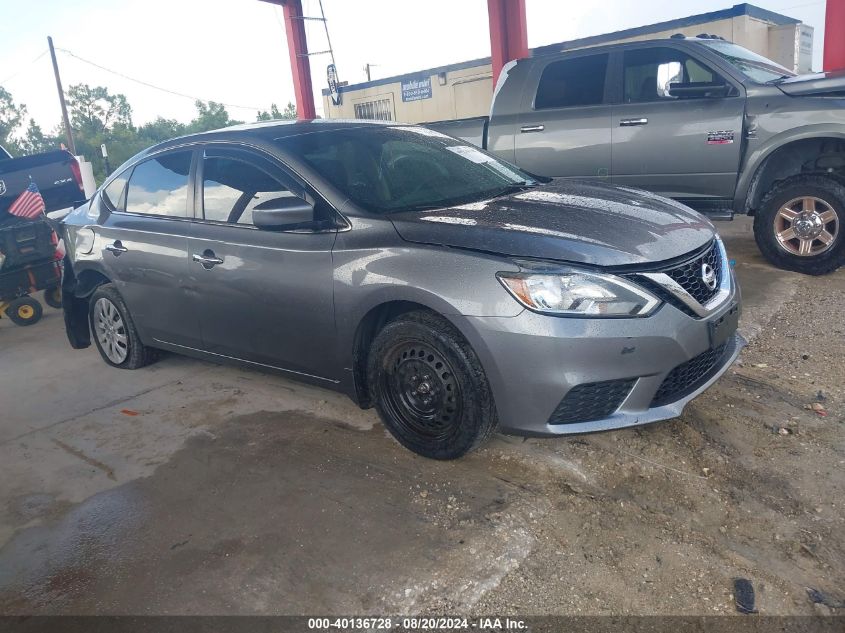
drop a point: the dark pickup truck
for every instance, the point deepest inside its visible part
(700, 120)
(56, 174)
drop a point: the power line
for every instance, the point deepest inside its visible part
(23, 68)
(154, 87)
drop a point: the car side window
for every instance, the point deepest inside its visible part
(234, 187)
(572, 82)
(159, 186)
(115, 193)
(649, 72)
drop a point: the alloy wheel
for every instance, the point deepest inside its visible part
(111, 331)
(806, 226)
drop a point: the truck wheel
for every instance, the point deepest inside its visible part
(429, 387)
(24, 311)
(53, 297)
(800, 224)
(114, 331)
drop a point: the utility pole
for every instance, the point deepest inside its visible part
(65, 118)
(367, 69)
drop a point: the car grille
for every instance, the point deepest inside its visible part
(591, 401)
(688, 275)
(687, 376)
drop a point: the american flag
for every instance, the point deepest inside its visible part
(29, 204)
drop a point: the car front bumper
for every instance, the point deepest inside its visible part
(534, 362)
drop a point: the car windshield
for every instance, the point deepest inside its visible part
(755, 67)
(404, 168)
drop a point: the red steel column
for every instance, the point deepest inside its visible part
(834, 35)
(300, 65)
(509, 32)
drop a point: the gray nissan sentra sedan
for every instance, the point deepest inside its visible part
(409, 270)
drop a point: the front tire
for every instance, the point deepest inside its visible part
(800, 225)
(429, 387)
(114, 331)
(24, 311)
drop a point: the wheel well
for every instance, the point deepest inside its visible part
(822, 156)
(87, 282)
(368, 328)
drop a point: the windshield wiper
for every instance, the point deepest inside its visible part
(515, 188)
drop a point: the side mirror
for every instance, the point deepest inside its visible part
(700, 89)
(287, 212)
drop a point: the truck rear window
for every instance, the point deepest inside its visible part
(572, 82)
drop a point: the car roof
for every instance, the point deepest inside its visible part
(549, 50)
(267, 131)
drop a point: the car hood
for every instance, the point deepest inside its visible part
(815, 84)
(566, 221)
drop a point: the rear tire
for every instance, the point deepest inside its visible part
(114, 331)
(800, 225)
(429, 388)
(24, 311)
(53, 297)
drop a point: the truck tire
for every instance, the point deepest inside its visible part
(429, 388)
(799, 225)
(114, 331)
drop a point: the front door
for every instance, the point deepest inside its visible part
(681, 147)
(564, 128)
(145, 246)
(263, 296)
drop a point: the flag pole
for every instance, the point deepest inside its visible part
(65, 118)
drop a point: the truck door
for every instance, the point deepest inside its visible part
(685, 147)
(564, 128)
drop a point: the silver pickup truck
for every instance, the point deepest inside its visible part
(700, 120)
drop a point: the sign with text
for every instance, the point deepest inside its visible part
(416, 89)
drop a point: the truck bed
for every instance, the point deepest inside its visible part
(54, 173)
(473, 130)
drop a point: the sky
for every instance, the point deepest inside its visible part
(235, 51)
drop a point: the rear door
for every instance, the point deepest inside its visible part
(144, 245)
(564, 130)
(267, 296)
(687, 148)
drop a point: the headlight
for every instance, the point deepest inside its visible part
(579, 293)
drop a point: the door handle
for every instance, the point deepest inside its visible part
(632, 122)
(116, 248)
(207, 260)
(532, 128)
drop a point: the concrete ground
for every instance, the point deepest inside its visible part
(191, 488)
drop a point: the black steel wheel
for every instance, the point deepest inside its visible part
(24, 311)
(420, 391)
(53, 297)
(429, 387)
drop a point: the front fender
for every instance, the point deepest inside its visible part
(75, 309)
(757, 157)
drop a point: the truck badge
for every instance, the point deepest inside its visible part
(2, 187)
(720, 137)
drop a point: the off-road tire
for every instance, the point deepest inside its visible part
(424, 346)
(138, 355)
(828, 190)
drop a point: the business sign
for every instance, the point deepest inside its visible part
(416, 89)
(334, 87)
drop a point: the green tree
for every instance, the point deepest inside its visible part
(99, 117)
(94, 111)
(210, 116)
(36, 141)
(274, 113)
(11, 117)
